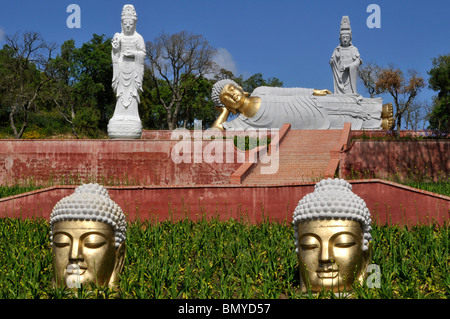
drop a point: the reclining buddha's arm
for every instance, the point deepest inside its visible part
(221, 119)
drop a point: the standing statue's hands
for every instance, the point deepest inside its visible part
(129, 53)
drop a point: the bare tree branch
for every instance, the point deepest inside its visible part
(179, 59)
(30, 67)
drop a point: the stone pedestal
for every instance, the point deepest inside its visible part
(124, 128)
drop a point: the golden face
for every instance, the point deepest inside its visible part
(84, 252)
(330, 254)
(232, 97)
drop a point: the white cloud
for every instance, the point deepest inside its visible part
(225, 60)
(2, 33)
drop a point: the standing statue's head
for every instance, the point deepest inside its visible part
(227, 93)
(345, 34)
(129, 19)
(87, 232)
(332, 237)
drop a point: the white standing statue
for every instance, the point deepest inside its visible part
(128, 55)
(345, 61)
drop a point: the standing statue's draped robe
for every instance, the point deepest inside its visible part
(345, 80)
(128, 73)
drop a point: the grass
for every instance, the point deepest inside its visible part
(442, 188)
(16, 189)
(222, 259)
(440, 184)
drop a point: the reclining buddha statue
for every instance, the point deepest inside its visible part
(303, 108)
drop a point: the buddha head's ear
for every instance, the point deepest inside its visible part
(118, 266)
(366, 260)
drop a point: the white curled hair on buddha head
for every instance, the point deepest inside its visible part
(90, 202)
(217, 89)
(333, 199)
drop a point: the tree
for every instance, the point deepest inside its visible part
(392, 81)
(152, 112)
(62, 96)
(440, 81)
(25, 71)
(380, 80)
(417, 115)
(198, 105)
(223, 74)
(94, 75)
(257, 80)
(83, 94)
(180, 60)
(368, 74)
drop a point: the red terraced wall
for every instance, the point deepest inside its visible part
(107, 161)
(390, 203)
(396, 159)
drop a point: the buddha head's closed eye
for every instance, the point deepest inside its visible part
(332, 233)
(87, 231)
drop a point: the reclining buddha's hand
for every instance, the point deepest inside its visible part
(220, 109)
(221, 118)
(321, 92)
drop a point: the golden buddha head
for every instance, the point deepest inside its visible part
(87, 232)
(227, 93)
(332, 237)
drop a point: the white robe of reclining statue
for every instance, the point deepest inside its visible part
(304, 111)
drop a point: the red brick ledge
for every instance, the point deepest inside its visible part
(389, 202)
(132, 187)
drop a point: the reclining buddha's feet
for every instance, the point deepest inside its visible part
(387, 116)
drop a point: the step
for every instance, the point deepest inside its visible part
(304, 155)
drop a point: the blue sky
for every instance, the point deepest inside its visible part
(289, 39)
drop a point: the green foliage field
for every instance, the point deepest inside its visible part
(223, 259)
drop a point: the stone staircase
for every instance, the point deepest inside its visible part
(304, 156)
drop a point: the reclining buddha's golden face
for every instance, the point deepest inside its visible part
(330, 254)
(85, 252)
(232, 97)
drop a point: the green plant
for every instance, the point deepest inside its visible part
(211, 258)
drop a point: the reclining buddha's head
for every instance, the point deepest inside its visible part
(227, 93)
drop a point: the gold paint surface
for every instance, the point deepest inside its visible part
(85, 252)
(330, 254)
